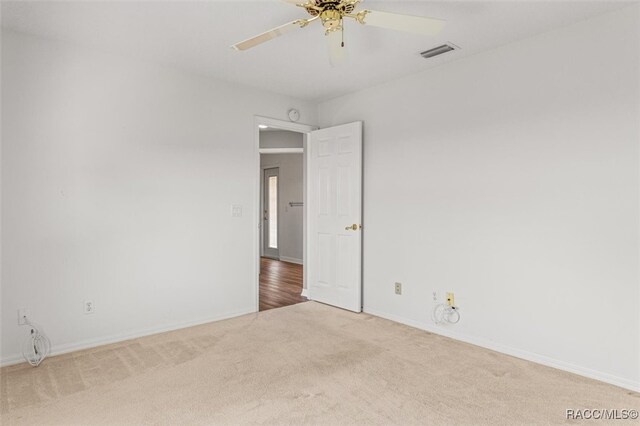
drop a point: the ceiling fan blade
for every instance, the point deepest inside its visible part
(266, 36)
(337, 51)
(408, 23)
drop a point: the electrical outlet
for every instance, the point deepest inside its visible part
(89, 307)
(450, 299)
(23, 314)
(398, 288)
(434, 295)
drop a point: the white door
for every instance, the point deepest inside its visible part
(270, 203)
(334, 266)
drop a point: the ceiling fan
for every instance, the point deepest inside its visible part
(332, 13)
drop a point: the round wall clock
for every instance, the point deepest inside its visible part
(294, 115)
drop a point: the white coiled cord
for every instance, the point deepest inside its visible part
(444, 313)
(36, 346)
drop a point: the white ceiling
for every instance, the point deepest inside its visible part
(197, 35)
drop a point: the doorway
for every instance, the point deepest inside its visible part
(332, 216)
(281, 244)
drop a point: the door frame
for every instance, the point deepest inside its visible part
(280, 125)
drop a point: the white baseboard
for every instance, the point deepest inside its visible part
(304, 293)
(92, 343)
(529, 356)
(291, 260)
(518, 353)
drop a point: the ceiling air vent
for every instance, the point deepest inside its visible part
(438, 50)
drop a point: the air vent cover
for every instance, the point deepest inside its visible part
(438, 51)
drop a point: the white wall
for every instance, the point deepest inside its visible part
(291, 190)
(512, 179)
(118, 178)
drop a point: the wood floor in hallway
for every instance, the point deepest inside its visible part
(280, 284)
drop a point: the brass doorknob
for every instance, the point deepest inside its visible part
(353, 227)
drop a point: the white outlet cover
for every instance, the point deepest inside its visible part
(236, 211)
(89, 307)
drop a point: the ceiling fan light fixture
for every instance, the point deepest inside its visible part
(331, 19)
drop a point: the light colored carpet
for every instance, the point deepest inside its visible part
(303, 364)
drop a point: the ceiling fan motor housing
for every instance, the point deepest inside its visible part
(316, 6)
(330, 12)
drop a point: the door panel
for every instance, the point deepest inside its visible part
(335, 205)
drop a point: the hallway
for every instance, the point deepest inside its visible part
(280, 284)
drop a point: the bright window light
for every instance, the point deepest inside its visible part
(273, 212)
